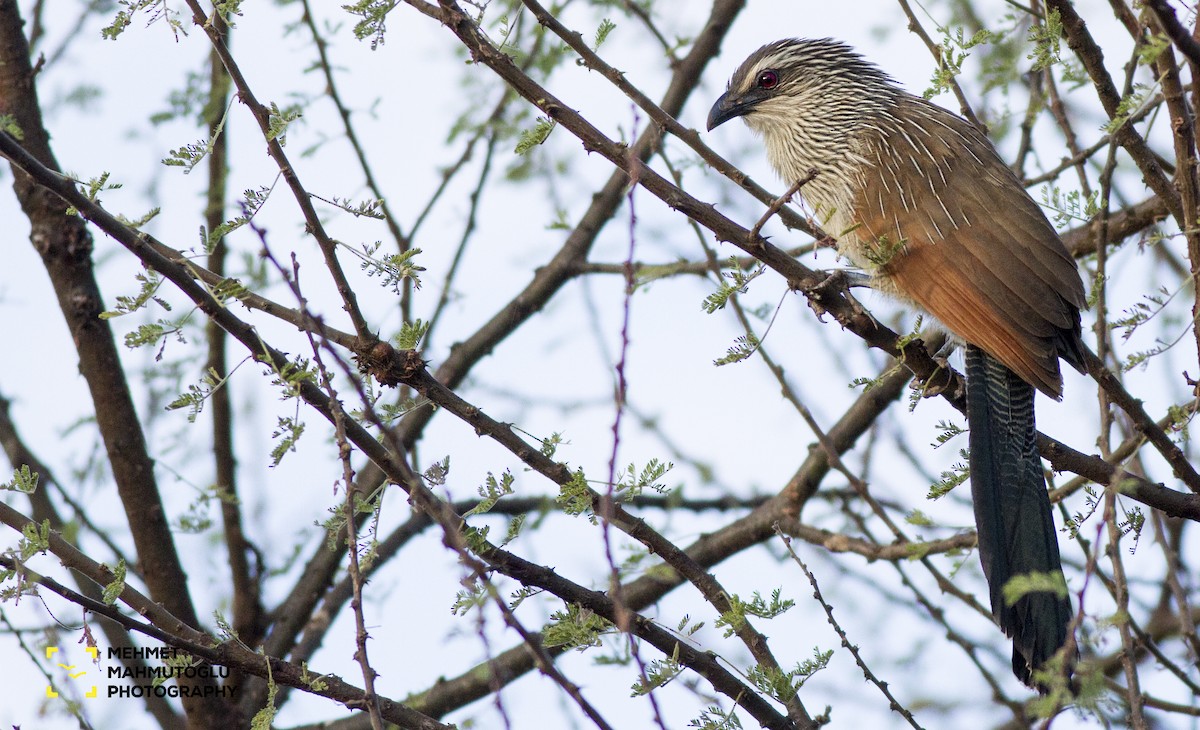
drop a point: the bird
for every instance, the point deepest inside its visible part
(919, 200)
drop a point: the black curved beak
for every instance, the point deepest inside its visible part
(722, 111)
(729, 106)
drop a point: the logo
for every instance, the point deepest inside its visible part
(130, 674)
(71, 672)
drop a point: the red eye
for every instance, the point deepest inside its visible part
(768, 80)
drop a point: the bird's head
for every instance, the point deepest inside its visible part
(783, 80)
(815, 103)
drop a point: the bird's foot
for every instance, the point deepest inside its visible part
(836, 282)
(943, 378)
(939, 382)
(858, 279)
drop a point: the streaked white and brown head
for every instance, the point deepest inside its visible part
(813, 102)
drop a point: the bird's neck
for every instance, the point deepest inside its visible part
(831, 135)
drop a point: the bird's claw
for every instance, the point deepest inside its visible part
(836, 282)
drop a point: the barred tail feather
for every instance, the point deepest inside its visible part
(1012, 510)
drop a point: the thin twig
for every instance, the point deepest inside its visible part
(778, 203)
(894, 704)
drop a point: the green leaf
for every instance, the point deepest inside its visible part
(737, 282)
(1047, 41)
(264, 719)
(551, 443)
(1019, 586)
(292, 375)
(953, 54)
(631, 482)
(531, 138)
(472, 597)
(372, 208)
(514, 529)
(714, 718)
(1151, 48)
(476, 539)
(743, 347)
(782, 685)
(735, 618)
(137, 223)
(491, 491)
(279, 120)
(112, 591)
(606, 27)
(946, 432)
(373, 14)
(150, 283)
(686, 627)
(197, 394)
(288, 432)
(918, 518)
(125, 17)
(24, 480)
(575, 628)
(393, 270)
(252, 201)
(959, 472)
(658, 673)
(411, 334)
(575, 496)
(315, 681)
(8, 124)
(437, 472)
(35, 538)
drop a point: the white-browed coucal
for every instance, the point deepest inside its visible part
(920, 200)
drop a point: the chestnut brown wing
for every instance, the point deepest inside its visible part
(957, 234)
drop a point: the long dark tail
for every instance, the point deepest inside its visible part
(1012, 510)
